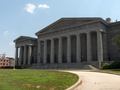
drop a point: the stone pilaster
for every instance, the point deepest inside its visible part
(99, 46)
(78, 48)
(89, 52)
(68, 49)
(20, 55)
(52, 51)
(29, 54)
(60, 51)
(16, 56)
(25, 52)
(45, 52)
(39, 48)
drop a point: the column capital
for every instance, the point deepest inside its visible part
(39, 41)
(31, 45)
(77, 34)
(100, 30)
(51, 38)
(25, 45)
(59, 37)
(88, 32)
(17, 47)
(20, 46)
(45, 40)
(68, 36)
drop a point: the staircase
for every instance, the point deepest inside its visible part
(72, 66)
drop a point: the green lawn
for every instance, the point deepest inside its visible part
(112, 71)
(30, 79)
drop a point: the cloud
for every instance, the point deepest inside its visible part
(30, 8)
(11, 43)
(13, 33)
(6, 32)
(43, 6)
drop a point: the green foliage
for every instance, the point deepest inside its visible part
(113, 65)
(22, 67)
(105, 66)
(116, 39)
(7, 67)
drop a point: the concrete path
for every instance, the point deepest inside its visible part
(97, 81)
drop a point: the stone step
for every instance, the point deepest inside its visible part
(63, 66)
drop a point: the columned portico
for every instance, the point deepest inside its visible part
(68, 40)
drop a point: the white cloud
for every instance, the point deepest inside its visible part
(6, 32)
(30, 8)
(43, 6)
(11, 43)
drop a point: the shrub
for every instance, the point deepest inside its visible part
(105, 66)
(7, 67)
(22, 67)
(113, 65)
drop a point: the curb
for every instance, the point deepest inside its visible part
(75, 85)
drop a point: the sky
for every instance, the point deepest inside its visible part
(26, 17)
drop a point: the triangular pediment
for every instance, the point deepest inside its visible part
(65, 23)
(23, 38)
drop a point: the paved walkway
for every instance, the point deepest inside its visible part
(97, 81)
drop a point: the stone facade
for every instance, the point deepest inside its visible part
(70, 40)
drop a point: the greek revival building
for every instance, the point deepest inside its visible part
(68, 41)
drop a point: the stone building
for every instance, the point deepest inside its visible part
(68, 41)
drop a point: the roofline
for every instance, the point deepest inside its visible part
(114, 23)
(25, 39)
(99, 20)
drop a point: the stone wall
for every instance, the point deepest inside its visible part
(112, 31)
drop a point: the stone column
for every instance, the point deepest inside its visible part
(24, 61)
(99, 46)
(45, 52)
(105, 54)
(68, 49)
(89, 52)
(16, 56)
(38, 56)
(52, 51)
(20, 55)
(60, 51)
(29, 54)
(78, 48)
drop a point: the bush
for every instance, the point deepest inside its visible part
(22, 67)
(7, 67)
(105, 66)
(113, 65)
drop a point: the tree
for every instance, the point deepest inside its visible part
(116, 39)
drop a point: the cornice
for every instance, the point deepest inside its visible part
(75, 26)
(25, 38)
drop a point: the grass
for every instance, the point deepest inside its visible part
(111, 71)
(31, 79)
